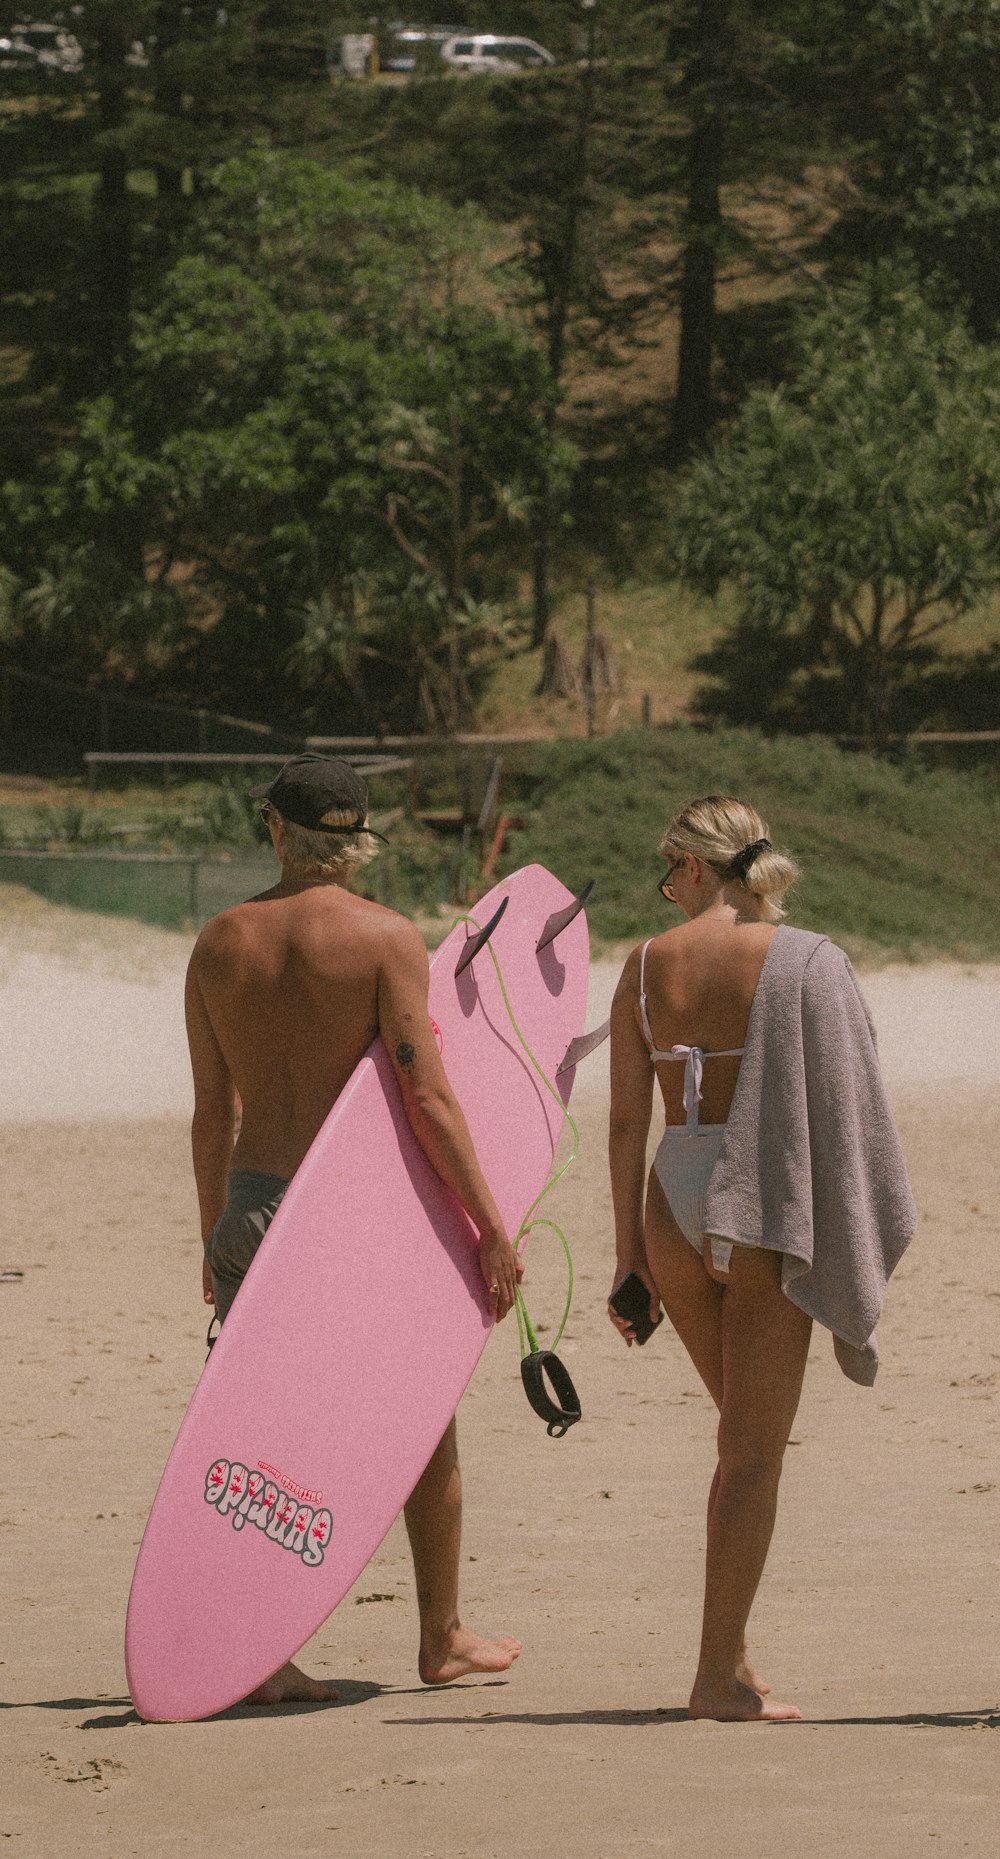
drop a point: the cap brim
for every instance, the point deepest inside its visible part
(261, 791)
(322, 828)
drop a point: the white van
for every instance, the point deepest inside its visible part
(487, 51)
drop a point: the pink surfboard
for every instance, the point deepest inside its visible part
(354, 1334)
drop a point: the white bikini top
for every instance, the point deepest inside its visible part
(694, 1056)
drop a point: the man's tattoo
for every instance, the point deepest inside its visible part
(405, 1054)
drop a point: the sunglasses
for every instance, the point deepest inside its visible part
(665, 886)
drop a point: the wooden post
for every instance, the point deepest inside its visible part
(588, 661)
(465, 785)
(647, 710)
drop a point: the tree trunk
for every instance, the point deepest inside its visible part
(168, 101)
(560, 677)
(874, 682)
(112, 210)
(558, 268)
(541, 603)
(541, 555)
(693, 401)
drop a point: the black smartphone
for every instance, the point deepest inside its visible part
(631, 1301)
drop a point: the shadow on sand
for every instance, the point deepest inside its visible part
(117, 1713)
(350, 1691)
(986, 1719)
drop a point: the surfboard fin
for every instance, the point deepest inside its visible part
(473, 944)
(560, 918)
(561, 1413)
(582, 1047)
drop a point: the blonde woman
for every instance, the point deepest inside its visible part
(778, 1193)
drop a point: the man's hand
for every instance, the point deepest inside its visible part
(502, 1271)
(206, 1280)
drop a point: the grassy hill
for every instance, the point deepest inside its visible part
(897, 861)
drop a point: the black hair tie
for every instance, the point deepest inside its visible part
(742, 862)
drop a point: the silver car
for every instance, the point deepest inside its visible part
(488, 51)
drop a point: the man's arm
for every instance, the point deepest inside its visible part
(433, 1110)
(213, 1126)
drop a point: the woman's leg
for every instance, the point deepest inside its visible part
(765, 1342)
(690, 1298)
(693, 1300)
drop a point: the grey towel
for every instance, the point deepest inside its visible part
(811, 1164)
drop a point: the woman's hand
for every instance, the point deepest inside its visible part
(642, 1272)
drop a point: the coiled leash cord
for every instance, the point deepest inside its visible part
(560, 1408)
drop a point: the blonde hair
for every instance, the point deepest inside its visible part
(309, 854)
(717, 829)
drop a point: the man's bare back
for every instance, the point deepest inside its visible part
(290, 986)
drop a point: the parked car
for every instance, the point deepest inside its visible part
(413, 48)
(488, 51)
(16, 56)
(50, 46)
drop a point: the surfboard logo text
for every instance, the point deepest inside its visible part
(246, 1496)
(288, 1484)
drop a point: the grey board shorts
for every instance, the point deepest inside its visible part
(252, 1203)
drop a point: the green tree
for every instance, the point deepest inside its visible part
(470, 449)
(319, 416)
(855, 512)
(930, 69)
(563, 160)
(759, 93)
(102, 168)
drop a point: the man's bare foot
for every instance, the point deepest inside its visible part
(738, 1703)
(290, 1686)
(462, 1652)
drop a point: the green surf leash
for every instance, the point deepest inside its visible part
(539, 1365)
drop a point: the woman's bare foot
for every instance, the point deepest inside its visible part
(747, 1676)
(290, 1686)
(461, 1652)
(738, 1703)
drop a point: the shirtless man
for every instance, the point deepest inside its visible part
(284, 994)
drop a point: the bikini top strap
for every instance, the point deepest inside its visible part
(647, 1029)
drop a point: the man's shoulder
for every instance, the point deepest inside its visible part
(394, 935)
(227, 939)
(245, 926)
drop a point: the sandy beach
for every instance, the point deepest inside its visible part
(879, 1614)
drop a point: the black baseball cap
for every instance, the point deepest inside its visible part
(309, 786)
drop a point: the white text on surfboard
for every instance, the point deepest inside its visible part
(249, 1497)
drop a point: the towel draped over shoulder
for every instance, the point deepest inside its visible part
(811, 1164)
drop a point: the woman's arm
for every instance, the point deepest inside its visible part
(632, 1082)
